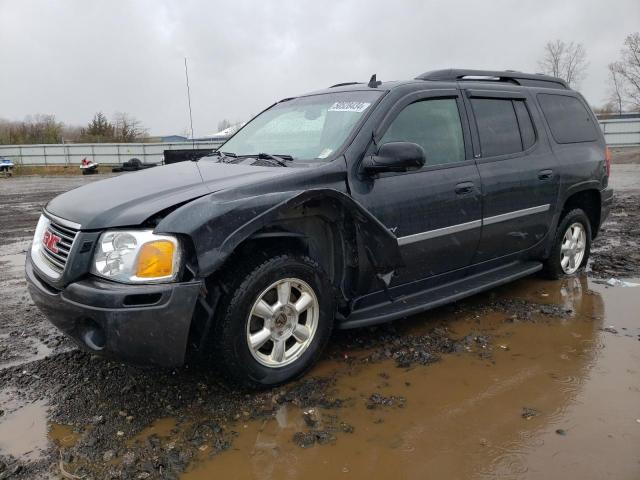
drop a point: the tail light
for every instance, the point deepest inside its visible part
(607, 161)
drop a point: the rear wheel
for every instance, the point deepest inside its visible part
(274, 322)
(572, 246)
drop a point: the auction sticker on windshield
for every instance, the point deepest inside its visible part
(349, 107)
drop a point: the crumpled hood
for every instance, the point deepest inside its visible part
(131, 198)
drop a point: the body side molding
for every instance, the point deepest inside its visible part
(439, 232)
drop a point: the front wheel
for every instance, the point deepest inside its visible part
(572, 245)
(274, 322)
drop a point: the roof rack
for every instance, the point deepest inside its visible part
(345, 84)
(510, 76)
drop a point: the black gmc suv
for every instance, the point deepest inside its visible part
(350, 206)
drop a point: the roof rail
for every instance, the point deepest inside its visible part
(345, 84)
(511, 76)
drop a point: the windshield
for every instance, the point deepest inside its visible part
(306, 128)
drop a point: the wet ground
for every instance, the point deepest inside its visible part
(536, 379)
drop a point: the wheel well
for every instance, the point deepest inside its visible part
(214, 287)
(323, 239)
(589, 201)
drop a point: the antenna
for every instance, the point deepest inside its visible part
(186, 74)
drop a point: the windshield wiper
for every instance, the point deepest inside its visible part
(224, 157)
(279, 159)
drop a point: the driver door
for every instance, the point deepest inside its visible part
(435, 212)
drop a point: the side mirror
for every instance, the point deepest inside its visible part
(395, 157)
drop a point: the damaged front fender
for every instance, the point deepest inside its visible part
(218, 225)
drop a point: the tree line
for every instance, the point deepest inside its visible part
(35, 129)
(568, 60)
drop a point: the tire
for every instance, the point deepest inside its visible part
(559, 263)
(236, 325)
(135, 163)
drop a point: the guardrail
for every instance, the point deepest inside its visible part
(621, 132)
(617, 132)
(102, 153)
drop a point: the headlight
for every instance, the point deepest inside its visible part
(137, 256)
(43, 223)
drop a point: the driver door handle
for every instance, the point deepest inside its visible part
(545, 175)
(465, 188)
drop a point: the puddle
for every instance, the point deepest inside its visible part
(544, 397)
(63, 436)
(465, 417)
(23, 430)
(35, 350)
(161, 428)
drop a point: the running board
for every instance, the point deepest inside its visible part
(437, 296)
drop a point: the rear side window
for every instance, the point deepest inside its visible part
(568, 119)
(497, 126)
(432, 124)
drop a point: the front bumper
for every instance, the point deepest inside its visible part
(142, 324)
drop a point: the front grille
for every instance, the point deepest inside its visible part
(67, 235)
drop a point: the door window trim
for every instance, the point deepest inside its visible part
(504, 95)
(417, 96)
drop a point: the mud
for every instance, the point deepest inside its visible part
(616, 253)
(560, 402)
(537, 379)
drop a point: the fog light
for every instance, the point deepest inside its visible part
(93, 335)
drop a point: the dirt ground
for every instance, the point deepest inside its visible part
(537, 379)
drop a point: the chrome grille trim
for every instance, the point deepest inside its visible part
(62, 221)
(58, 261)
(64, 234)
(56, 264)
(60, 258)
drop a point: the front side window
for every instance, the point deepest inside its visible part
(307, 128)
(434, 125)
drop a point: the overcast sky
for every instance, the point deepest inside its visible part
(73, 58)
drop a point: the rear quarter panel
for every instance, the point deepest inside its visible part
(580, 166)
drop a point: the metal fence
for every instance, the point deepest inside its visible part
(621, 132)
(102, 153)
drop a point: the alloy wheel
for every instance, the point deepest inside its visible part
(574, 244)
(282, 322)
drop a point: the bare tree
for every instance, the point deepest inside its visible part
(565, 60)
(71, 134)
(616, 93)
(606, 109)
(128, 128)
(33, 129)
(629, 69)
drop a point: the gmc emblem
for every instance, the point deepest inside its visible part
(50, 241)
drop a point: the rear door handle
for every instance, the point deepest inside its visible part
(465, 188)
(545, 174)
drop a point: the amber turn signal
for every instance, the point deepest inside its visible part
(155, 259)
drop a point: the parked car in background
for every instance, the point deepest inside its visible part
(6, 166)
(346, 207)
